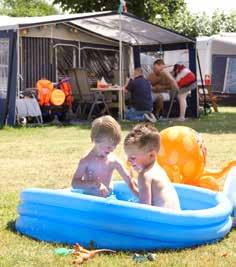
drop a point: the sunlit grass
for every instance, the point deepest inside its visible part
(47, 157)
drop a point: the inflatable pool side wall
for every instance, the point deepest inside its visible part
(63, 216)
(230, 190)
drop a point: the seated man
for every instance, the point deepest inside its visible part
(141, 99)
(162, 81)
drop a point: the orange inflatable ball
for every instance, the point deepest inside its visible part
(45, 88)
(182, 154)
(57, 97)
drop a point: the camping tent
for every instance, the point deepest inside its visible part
(30, 42)
(217, 55)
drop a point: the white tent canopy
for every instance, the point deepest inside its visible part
(217, 55)
(134, 30)
(220, 44)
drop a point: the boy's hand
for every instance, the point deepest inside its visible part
(133, 186)
(104, 192)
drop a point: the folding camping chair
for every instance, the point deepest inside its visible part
(28, 106)
(79, 80)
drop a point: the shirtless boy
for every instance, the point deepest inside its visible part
(94, 173)
(141, 146)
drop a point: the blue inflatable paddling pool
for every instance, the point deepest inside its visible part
(118, 223)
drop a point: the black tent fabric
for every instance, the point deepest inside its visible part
(3, 95)
(12, 79)
(7, 102)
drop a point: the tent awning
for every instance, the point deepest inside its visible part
(7, 23)
(134, 30)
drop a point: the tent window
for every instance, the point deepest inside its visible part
(170, 58)
(146, 60)
(230, 77)
(218, 72)
(4, 61)
(67, 58)
(101, 63)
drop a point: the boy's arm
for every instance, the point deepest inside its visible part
(124, 174)
(78, 180)
(145, 196)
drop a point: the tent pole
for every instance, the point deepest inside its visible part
(120, 72)
(18, 64)
(79, 54)
(202, 85)
(56, 63)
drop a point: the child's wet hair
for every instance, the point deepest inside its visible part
(144, 136)
(106, 127)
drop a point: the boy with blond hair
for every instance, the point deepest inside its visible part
(142, 145)
(94, 173)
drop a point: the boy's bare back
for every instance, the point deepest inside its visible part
(142, 145)
(156, 189)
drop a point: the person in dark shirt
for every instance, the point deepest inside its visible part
(141, 98)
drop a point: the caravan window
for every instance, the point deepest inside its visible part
(230, 76)
(4, 61)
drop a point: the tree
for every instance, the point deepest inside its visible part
(194, 25)
(222, 22)
(190, 24)
(30, 8)
(145, 9)
(231, 25)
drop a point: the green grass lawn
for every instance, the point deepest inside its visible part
(47, 157)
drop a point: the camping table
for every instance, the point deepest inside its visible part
(120, 91)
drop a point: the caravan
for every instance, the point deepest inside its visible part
(217, 56)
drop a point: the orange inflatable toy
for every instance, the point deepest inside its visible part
(183, 156)
(45, 88)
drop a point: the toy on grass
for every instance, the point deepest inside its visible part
(183, 156)
(63, 251)
(83, 254)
